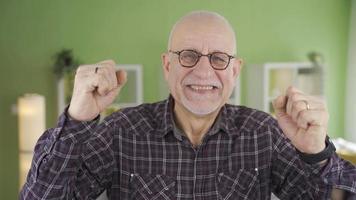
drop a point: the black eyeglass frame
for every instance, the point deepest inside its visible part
(209, 55)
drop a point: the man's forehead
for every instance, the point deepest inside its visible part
(203, 31)
(211, 43)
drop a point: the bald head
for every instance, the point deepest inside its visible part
(211, 24)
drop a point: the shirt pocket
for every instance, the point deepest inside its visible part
(149, 186)
(241, 184)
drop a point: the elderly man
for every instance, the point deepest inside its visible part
(192, 145)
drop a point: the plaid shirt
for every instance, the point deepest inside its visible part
(137, 153)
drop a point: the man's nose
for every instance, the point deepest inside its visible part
(203, 68)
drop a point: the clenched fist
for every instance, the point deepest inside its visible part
(303, 119)
(95, 88)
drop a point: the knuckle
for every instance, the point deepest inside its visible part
(290, 89)
(111, 61)
(80, 69)
(111, 69)
(303, 114)
(103, 69)
(102, 80)
(296, 106)
(103, 87)
(294, 96)
(107, 69)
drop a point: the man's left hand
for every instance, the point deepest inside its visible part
(303, 119)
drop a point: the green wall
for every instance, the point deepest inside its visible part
(136, 31)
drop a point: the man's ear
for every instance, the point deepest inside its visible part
(165, 64)
(237, 67)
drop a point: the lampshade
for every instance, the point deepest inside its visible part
(31, 122)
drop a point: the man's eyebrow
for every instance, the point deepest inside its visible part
(195, 49)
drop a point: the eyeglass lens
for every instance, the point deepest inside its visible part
(218, 60)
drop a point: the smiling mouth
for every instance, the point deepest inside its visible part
(202, 87)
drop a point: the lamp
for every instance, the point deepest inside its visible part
(31, 122)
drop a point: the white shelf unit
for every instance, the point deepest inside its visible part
(266, 81)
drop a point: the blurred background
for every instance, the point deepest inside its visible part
(301, 35)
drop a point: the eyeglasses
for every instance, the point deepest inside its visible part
(189, 58)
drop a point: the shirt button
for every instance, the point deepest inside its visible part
(44, 160)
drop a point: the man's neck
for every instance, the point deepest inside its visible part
(194, 126)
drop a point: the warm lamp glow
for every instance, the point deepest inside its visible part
(31, 116)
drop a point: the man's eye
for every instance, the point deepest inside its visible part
(219, 59)
(189, 57)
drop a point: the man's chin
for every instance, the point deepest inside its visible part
(201, 109)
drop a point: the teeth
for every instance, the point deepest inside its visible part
(196, 87)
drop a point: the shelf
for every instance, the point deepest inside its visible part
(267, 81)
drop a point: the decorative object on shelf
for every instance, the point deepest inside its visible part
(64, 63)
(313, 75)
(64, 67)
(31, 124)
(316, 58)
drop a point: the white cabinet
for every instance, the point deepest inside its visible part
(266, 81)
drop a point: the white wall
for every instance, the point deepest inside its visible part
(350, 108)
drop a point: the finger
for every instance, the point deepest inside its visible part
(308, 118)
(121, 77)
(298, 106)
(108, 72)
(103, 64)
(109, 62)
(114, 92)
(92, 82)
(112, 76)
(279, 105)
(90, 69)
(291, 89)
(292, 98)
(95, 75)
(83, 70)
(103, 87)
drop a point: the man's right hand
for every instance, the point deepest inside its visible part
(95, 88)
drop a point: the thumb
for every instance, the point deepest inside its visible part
(121, 77)
(279, 105)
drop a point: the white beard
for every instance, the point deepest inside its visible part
(200, 111)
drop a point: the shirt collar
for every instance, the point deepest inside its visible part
(168, 126)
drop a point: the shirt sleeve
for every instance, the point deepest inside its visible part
(340, 174)
(71, 161)
(293, 178)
